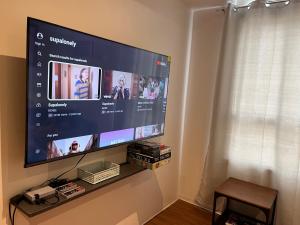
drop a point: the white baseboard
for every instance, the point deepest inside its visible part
(194, 203)
(167, 206)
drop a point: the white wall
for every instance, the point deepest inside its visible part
(156, 25)
(207, 33)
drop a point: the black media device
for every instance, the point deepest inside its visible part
(86, 93)
(147, 148)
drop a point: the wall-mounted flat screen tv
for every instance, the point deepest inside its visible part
(86, 93)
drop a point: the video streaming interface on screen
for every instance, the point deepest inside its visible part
(86, 92)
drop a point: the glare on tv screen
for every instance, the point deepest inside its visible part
(86, 93)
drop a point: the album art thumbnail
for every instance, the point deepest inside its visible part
(73, 82)
(116, 137)
(63, 147)
(119, 85)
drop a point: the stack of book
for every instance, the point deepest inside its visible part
(239, 220)
(148, 154)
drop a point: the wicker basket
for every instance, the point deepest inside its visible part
(99, 171)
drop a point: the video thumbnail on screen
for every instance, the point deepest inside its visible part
(69, 146)
(147, 131)
(152, 87)
(73, 82)
(116, 137)
(119, 85)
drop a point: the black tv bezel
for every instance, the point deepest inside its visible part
(26, 164)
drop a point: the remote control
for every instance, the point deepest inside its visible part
(66, 187)
(72, 193)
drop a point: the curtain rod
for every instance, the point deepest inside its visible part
(220, 7)
(267, 3)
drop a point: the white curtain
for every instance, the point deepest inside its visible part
(255, 135)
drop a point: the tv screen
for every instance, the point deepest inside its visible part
(86, 93)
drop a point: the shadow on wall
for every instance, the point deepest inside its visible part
(119, 203)
(110, 205)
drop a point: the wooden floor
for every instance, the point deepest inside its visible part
(182, 213)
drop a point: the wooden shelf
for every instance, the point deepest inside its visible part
(221, 219)
(248, 193)
(31, 210)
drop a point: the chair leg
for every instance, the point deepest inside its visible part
(274, 212)
(214, 209)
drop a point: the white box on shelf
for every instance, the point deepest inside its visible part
(98, 171)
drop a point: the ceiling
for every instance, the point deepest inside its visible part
(204, 3)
